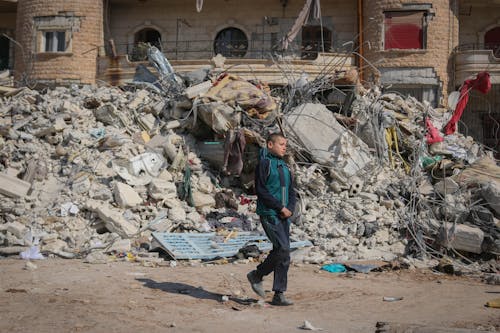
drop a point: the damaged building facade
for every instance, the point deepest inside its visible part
(422, 48)
(136, 118)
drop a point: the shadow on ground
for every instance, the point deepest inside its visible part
(196, 292)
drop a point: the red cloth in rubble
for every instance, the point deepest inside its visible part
(481, 83)
(433, 135)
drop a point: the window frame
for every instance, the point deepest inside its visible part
(233, 53)
(423, 30)
(57, 24)
(53, 44)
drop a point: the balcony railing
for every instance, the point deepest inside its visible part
(495, 47)
(242, 49)
(471, 59)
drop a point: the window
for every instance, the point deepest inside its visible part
(312, 41)
(492, 41)
(54, 34)
(405, 30)
(231, 43)
(148, 35)
(54, 41)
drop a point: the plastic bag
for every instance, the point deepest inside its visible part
(32, 253)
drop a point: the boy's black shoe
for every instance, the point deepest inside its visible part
(256, 283)
(280, 300)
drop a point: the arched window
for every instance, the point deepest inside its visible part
(142, 39)
(311, 41)
(148, 35)
(231, 43)
(492, 41)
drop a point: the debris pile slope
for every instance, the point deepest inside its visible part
(88, 169)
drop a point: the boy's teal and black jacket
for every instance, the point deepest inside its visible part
(273, 184)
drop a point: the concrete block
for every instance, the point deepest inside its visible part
(198, 89)
(113, 220)
(463, 238)
(126, 196)
(203, 200)
(328, 142)
(177, 214)
(446, 186)
(491, 193)
(120, 246)
(13, 187)
(16, 228)
(162, 189)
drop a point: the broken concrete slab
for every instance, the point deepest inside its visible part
(462, 237)
(491, 193)
(328, 142)
(112, 219)
(16, 228)
(120, 246)
(446, 186)
(126, 196)
(13, 186)
(203, 200)
(162, 189)
(198, 90)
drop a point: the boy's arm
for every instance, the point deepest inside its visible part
(261, 172)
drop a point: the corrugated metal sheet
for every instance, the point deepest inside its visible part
(210, 246)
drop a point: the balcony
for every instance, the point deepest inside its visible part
(473, 58)
(249, 59)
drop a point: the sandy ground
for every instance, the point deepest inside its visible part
(71, 296)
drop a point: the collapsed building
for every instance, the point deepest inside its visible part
(89, 169)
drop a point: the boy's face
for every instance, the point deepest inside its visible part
(277, 147)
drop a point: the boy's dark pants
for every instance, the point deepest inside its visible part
(278, 260)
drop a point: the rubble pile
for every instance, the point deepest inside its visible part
(97, 169)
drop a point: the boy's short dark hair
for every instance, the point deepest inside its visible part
(273, 136)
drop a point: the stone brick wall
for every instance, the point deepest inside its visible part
(78, 65)
(442, 38)
(178, 20)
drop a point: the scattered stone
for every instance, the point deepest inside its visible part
(125, 196)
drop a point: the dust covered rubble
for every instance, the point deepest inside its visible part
(102, 163)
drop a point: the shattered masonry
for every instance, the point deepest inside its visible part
(89, 169)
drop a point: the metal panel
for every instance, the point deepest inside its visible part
(211, 245)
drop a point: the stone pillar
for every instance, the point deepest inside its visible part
(76, 61)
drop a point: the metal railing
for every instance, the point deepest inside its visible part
(237, 49)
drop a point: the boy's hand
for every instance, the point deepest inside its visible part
(285, 213)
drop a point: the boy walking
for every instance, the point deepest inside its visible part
(275, 204)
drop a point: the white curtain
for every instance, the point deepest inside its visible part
(199, 5)
(312, 9)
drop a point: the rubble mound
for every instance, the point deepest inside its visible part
(86, 169)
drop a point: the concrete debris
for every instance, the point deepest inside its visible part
(13, 187)
(113, 220)
(316, 128)
(92, 170)
(125, 196)
(463, 237)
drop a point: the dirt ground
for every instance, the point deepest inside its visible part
(72, 296)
